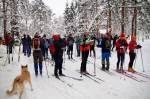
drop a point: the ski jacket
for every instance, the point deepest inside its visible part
(56, 48)
(70, 41)
(121, 45)
(132, 46)
(8, 40)
(85, 45)
(105, 45)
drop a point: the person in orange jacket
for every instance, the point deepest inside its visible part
(132, 54)
(121, 47)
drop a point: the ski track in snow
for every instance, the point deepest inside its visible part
(115, 85)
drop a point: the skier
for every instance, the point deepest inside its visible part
(121, 47)
(114, 41)
(84, 48)
(106, 47)
(45, 47)
(57, 52)
(37, 54)
(9, 41)
(132, 54)
(29, 44)
(92, 46)
(70, 42)
(78, 41)
(26, 45)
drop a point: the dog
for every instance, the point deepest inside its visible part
(19, 81)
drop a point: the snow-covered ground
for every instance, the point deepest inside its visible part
(112, 86)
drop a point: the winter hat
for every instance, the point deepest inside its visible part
(36, 34)
(56, 37)
(133, 38)
(122, 36)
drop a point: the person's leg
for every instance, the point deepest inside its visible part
(71, 49)
(82, 63)
(86, 58)
(103, 60)
(132, 58)
(56, 66)
(35, 59)
(118, 60)
(122, 60)
(40, 57)
(107, 60)
(60, 67)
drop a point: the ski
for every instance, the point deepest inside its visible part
(73, 60)
(90, 77)
(141, 74)
(130, 76)
(68, 84)
(74, 78)
(94, 76)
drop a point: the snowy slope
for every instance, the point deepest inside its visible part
(112, 86)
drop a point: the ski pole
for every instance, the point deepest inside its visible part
(135, 58)
(46, 69)
(142, 60)
(9, 54)
(94, 66)
(19, 50)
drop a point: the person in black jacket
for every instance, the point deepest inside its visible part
(106, 47)
(70, 41)
(57, 51)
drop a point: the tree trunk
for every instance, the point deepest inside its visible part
(134, 22)
(4, 18)
(122, 15)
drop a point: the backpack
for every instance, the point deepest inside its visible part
(70, 42)
(123, 46)
(36, 43)
(107, 44)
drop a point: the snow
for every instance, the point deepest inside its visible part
(114, 86)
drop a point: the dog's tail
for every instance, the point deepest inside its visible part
(14, 87)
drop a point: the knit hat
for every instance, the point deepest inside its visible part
(122, 35)
(133, 38)
(56, 37)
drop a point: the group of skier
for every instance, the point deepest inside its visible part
(85, 44)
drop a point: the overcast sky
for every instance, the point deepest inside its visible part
(57, 6)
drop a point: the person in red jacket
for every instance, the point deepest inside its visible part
(121, 47)
(132, 54)
(9, 43)
(84, 48)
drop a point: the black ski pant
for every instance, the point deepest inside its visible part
(132, 56)
(84, 61)
(70, 51)
(58, 64)
(120, 57)
(92, 49)
(9, 49)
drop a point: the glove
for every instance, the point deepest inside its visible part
(138, 46)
